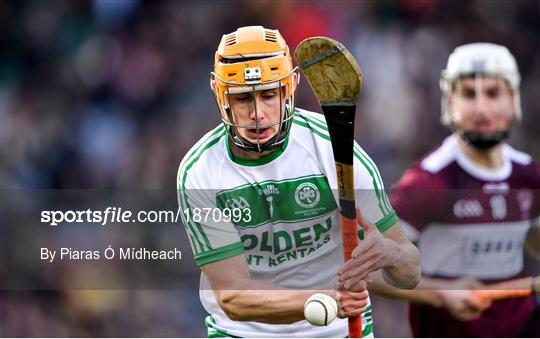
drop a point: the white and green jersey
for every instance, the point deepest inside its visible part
(288, 227)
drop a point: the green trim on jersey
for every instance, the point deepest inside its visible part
(197, 236)
(259, 161)
(367, 316)
(213, 333)
(368, 330)
(386, 222)
(383, 224)
(318, 127)
(218, 254)
(210, 321)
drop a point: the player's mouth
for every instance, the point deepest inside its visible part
(484, 127)
(264, 134)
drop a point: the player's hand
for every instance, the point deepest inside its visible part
(373, 253)
(351, 303)
(459, 299)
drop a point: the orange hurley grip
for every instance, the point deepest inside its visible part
(355, 327)
(349, 236)
(502, 294)
(508, 289)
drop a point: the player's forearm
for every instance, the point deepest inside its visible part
(253, 300)
(404, 272)
(426, 292)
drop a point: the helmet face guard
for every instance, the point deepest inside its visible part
(224, 89)
(478, 61)
(251, 60)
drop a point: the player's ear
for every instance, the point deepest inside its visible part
(296, 78)
(451, 99)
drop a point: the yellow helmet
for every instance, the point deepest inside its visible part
(250, 59)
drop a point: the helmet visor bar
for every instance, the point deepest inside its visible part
(251, 56)
(246, 89)
(238, 87)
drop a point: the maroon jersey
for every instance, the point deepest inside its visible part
(469, 221)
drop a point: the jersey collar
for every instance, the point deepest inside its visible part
(259, 161)
(482, 173)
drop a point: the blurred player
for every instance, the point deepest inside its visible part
(259, 211)
(469, 205)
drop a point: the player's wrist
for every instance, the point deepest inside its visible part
(392, 254)
(333, 293)
(443, 298)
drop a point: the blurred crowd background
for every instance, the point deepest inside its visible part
(111, 94)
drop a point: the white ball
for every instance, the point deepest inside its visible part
(320, 309)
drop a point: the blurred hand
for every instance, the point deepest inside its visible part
(459, 299)
(373, 253)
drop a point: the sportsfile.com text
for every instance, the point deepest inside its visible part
(121, 215)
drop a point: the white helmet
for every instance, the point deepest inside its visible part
(479, 58)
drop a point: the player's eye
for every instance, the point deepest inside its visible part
(468, 93)
(243, 98)
(493, 93)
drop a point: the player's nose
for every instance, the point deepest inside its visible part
(483, 105)
(257, 111)
(257, 114)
